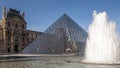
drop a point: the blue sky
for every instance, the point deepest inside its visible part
(40, 14)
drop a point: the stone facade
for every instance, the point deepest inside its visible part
(14, 36)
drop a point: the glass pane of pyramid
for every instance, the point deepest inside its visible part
(63, 36)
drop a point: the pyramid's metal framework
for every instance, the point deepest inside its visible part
(63, 36)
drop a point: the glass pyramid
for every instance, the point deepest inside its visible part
(63, 36)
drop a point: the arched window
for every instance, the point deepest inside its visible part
(8, 49)
(16, 25)
(8, 24)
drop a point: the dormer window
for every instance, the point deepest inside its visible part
(16, 25)
(8, 24)
(23, 26)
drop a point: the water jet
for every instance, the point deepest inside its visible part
(103, 46)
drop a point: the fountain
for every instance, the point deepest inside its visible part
(103, 46)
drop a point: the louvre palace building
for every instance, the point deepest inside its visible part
(14, 36)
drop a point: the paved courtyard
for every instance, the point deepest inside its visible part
(46, 61)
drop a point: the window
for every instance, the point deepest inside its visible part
(28, 40)
(16, 25)
(9, 38)
(23, 26)
(8, 49)
(32, 35)
(23, 39)
(8, 45)
(8, 24)
(8, 32)
(16, 38)
(31, 39)
(36, 35)
(16, 48)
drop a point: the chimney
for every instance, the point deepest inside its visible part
(23, 14)
(4, 14)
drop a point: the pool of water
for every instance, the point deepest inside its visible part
(49, 62)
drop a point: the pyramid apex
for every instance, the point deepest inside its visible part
(65, 14)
